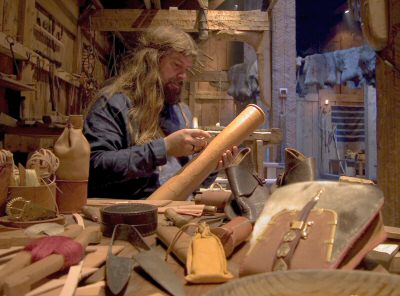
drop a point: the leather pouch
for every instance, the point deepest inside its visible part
(249, 192)
(314, 248)
(298, 168)
(206, 262)
(359, 225)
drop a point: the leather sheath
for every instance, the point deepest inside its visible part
(249, 192)
(233, 233)
(143, 216)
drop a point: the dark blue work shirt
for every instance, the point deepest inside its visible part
(119, 169)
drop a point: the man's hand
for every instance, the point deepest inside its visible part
(185, 142)
(227, 158)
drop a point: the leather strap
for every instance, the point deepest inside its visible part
(143, 216)
(291, 239)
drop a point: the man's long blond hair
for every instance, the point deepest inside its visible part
(141, 80)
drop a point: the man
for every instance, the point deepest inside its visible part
(136, 125)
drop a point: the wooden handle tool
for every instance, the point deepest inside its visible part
(19, 283)
(24, 258)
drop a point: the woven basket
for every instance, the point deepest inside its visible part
(5, 173)
(43, 195)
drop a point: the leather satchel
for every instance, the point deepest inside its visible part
(358, 230)
(249, 192)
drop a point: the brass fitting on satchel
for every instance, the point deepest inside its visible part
(299, 229)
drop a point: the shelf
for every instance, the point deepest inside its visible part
(22, 52)
(8, 82)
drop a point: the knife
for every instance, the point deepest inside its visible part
(118, 269)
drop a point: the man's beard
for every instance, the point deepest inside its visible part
(172, 91)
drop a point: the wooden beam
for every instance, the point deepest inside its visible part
(77, 61)
(212, 95)
(131, 20)
(210, 76)
(192, 99)
(27, 17)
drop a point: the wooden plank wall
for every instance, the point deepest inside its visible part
(388, 130)
(24, 21)
(210, 102)
(314, 124)
(307, 133)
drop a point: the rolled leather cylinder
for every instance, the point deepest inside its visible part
(233, 233)
(213, 198)
(184, 183)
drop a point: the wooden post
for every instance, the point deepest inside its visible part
(192, 97)
(1, 14)
(388, 123)
(260, 42)
(27, 17)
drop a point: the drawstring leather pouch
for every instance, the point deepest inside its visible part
(205, 260)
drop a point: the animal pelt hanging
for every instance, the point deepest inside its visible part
(320, 70)
(351, 66)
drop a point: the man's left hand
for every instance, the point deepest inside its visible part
(227, 158)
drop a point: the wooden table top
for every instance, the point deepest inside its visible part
(142, 284)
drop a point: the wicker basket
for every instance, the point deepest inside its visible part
(43, 195)
(5, 173)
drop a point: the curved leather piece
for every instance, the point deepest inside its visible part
(248, 190)
(298, 168)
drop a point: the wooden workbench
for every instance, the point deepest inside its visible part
(142, 284)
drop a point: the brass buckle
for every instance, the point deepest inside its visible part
(296, 225)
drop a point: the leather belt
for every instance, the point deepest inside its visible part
(291, 239)
(143, 216)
